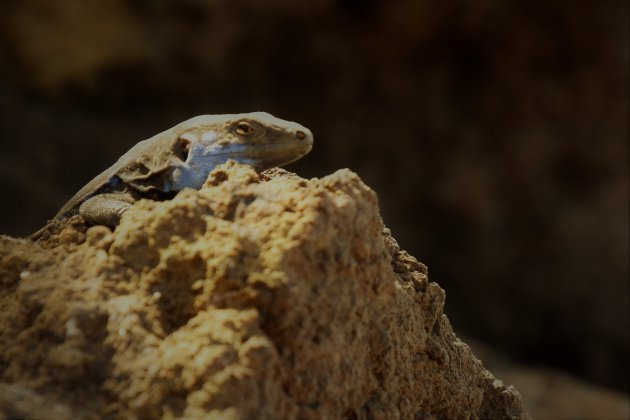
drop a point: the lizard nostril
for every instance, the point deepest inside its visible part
(300, 134)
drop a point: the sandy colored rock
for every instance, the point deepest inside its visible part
(259, 296)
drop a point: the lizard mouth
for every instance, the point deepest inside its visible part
(264, 156)
(266, 150)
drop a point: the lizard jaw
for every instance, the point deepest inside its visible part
(268, 156)
(194, 172)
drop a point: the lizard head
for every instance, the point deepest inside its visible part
(257, 139)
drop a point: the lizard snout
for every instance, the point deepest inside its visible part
(300, 134)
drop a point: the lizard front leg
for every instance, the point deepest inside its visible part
(105, 209)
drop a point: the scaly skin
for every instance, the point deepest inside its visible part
(182, 157)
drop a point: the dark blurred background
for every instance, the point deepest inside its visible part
(494, 132)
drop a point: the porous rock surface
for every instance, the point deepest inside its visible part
(259, 296)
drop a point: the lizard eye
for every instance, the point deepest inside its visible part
(244, 128)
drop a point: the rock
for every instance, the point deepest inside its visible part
(259, 296)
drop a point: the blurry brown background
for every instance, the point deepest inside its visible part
(494, 132)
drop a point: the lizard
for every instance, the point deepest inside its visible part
(182, 157)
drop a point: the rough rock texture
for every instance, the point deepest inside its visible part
(259, 296)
